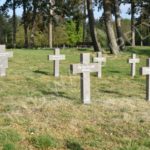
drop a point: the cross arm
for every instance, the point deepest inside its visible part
(56, 57)
(137, 60)
(145, 71)
(75, 68)
(6, 54)
(96, 59)
(82, 68)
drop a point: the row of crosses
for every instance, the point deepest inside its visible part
(85, 68)
(144, 71)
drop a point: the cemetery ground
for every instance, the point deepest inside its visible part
(39, 111)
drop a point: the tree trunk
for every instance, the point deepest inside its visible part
(109, 27)
(25, 36)
(132, 23)
(32, 35)
(50, 38)
(14, 23)
(25, 26)
(96, 44)
(120, 38)
(84, 20)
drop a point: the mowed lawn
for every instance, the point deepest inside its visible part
(38, 111)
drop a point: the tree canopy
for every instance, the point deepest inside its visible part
(68, 19)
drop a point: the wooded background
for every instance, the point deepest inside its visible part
(47, 23)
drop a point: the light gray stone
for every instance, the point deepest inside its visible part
(3, 65)
(56, 58)
(146, 71)
(85, 68)
(7, 54)
(2, 48)
(133, 61)
(101, 60)
(4, 62)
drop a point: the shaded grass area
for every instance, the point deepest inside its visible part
(38, 111)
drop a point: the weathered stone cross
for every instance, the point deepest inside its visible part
(56, 58)
(3, 51)
(146, 71)
(100, 60)
(133, 61)
(4, 62)
(85, 69)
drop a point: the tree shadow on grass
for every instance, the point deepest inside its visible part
(116, 93)
(83, 49)
(114, 71)
(112, 92)
(143, 51)
(73, 145)
(60, 94)
(41, 72)
(119, 94)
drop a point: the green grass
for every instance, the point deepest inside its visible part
(9, 146)
(38, 111)
(43, 141)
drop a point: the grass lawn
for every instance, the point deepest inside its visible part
(38, 111)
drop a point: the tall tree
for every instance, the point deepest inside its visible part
(109, 27)
(94, 38)
(133, 22)
(5, 29)
(84, 19)
(12, 4)
(120, 38)
(34, 13)
(14, 23)
(25, 22)
(51, 2)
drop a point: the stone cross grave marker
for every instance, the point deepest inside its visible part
(99, 59)
(56, 58)
(133, 61)
(146, 71)
(85, 68)
(4, 62)
(3, 50)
